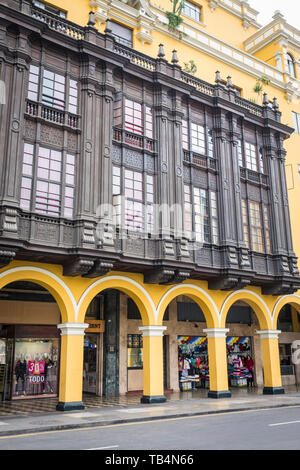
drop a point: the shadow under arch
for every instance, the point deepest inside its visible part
(52, 283)
(198, 295)
(126, 285)
(254, 301)
(293, 300)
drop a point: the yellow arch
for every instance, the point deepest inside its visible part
(293, 300)
(198, 295)
(49, 281)
(256, 303)
(129, 286)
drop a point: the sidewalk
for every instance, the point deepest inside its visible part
(177, 405)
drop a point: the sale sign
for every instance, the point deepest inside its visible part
(36, 368)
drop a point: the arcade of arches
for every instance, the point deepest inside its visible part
(62, 336)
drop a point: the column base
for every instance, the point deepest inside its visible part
(222, 394)
(153, 399)
(273, 391)
(69, 406)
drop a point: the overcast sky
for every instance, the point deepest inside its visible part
(289, 8)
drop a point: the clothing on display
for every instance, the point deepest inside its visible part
(193, 362)
(240, 363)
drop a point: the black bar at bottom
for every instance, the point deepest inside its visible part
(153, 399)
(222, 394)
(69, 406)
(273, 391)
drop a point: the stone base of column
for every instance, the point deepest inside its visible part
(222, 394)
(273, 391)
(153, 399)
(69, 406)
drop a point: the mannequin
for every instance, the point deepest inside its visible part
(20, 373)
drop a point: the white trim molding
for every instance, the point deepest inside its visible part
(72, 328)
(152, 330)
(216, 332)
(269, 334)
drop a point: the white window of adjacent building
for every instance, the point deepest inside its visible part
(291, 65)
(192, 11)
(296, 122)
(198, 138)
(50, 8)
(48, 182)
(251, 158)
(121, 34)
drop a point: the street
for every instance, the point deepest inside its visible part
(273, 429)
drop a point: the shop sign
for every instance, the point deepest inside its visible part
(95, 326)
(36, 369)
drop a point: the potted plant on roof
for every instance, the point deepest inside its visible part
(174, 16)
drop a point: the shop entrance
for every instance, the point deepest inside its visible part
(242, 322)
(6, 358)
(90, 363)
(29, 342)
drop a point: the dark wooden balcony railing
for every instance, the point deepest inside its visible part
(79, 33)
(199, 160)
(53, 115)
(254, 176)
(140, 141)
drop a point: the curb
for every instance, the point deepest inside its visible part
(65, 427)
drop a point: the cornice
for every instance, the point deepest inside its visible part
(274, 31)
(238, 8)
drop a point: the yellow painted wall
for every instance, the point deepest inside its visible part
(35, 313)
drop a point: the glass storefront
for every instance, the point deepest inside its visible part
(35, 367)
(90, 363)
(29, 361)
(135, 351)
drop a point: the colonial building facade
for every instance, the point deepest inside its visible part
(144, 204)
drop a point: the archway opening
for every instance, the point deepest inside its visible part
(186, 345)
(288, 322)
(244, 359)
(113, 345)
(29, 341)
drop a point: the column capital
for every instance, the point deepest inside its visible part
(72, 328)
(216, 332)
(269, 334)
(152, 330)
